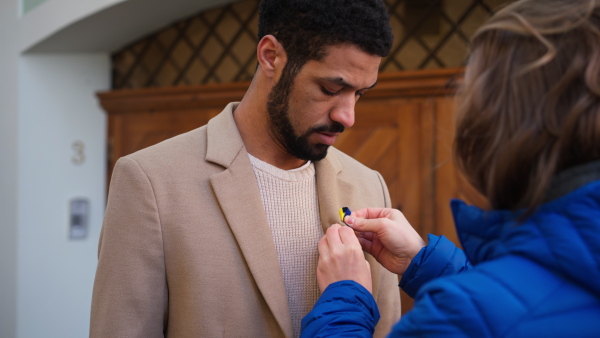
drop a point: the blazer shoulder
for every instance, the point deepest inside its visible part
(182, 145)
(178, 156)
(176, 170)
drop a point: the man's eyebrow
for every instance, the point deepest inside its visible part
(341, 82)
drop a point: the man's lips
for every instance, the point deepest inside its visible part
(327, 138)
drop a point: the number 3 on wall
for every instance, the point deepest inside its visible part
(79, 156)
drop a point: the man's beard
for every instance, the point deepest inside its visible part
(282, 129)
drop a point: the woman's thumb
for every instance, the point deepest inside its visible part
(362, 224)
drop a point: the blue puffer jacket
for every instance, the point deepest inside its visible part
(540, 278)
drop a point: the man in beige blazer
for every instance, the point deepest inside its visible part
(192, 242)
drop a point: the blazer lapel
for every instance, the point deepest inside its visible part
(333, 191)
(237, 192)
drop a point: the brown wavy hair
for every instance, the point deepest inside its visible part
(530, 103)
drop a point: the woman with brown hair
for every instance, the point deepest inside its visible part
(528, 138)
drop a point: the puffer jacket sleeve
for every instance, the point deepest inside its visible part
(345, 309)
(439, 258)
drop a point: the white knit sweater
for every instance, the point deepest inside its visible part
(290, 201)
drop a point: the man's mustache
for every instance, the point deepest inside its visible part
(334, 127)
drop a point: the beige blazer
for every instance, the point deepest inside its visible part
(186, 250)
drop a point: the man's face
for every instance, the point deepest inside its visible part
(307, 112)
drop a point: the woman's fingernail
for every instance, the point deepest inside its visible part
(349, 220)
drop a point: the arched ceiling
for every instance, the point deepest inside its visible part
(114, 27)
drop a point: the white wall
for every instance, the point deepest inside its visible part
(8, 166)
(52, 62)
(58, 107)
(101, 25)
(54, 15)
(47, 102)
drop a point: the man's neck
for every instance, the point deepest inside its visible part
(252, 122)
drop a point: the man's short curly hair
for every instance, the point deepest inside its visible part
(306, 27)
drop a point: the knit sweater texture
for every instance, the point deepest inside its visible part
(291, 204)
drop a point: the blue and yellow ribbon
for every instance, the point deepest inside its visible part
(345, 211)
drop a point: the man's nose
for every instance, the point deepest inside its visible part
(344, 111)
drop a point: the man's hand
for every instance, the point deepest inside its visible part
(341, 258)
(387, 236)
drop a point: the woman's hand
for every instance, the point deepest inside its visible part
(387, 236)
(341, 258)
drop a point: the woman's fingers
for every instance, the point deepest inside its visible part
(374, 213)
(341, 258)
(347, 236)
(333, 235)
(369, 225)
(342, 242)
(323, 247)
(369, 212)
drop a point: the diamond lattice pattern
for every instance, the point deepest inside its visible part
(218, 45)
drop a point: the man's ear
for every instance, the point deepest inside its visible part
(271, 56)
